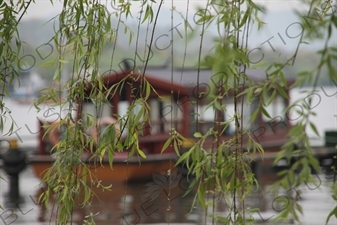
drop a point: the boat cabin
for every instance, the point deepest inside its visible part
(180, 102)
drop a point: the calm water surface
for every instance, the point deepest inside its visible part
(134, 203)
(147, 203)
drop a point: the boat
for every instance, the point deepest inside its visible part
(174, 103)
(123, 169)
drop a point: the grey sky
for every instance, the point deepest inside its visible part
(275, 34)
(44, 9)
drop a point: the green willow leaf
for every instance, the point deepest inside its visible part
(282, 92)
(167, 143)
(264, 111)
(313, 127)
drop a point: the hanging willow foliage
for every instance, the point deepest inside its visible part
(220, 173)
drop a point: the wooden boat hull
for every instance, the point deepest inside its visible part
(134, 170)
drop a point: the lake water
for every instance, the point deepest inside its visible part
(147, 203)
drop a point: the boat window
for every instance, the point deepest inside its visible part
(96, 110)
(166, 109)
(123, 108)
(136, 110)
(275, 109)
(163, 112)
(246, 114)
(229, 114)
(206, 118)
(154, 115)
(122, 113)
(168, 112)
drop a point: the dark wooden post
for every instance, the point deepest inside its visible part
(114, 103)
(186, 119)
(42, 143)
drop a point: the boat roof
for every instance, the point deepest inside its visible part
(183, 80)
(189, 76)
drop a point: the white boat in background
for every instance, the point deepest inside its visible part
(25, 118)
(324, 104)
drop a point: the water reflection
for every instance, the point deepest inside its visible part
(134, 203)
(149, 202)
